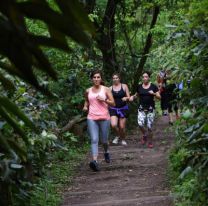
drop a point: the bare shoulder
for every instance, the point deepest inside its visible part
(87, 90)
(106, 88)
(125, 86)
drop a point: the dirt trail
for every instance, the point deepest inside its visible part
(136, 176)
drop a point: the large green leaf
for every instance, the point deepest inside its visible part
(42, 61)
(17, 148)
(15, 48)
(6, 83)
(50, 42)
(74, 10)
(57, 35)
(4, 144)
(10, 69)
(185, 172)
(22, 48)
(13, 109)
(55, 20)
(14, 124)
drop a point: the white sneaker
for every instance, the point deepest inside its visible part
(115, 141)
(124, 143)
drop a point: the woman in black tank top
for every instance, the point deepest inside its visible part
(119, 113)
(118, 95)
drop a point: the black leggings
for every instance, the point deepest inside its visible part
(172, 106)
(168, 103)
(164, 101)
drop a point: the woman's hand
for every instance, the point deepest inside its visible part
(100, 98)
(131, 98)
(151, 92)
(125, 99)
(85, 109)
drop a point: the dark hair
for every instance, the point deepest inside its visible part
(146, 72)
(117, 74)
(97, 72)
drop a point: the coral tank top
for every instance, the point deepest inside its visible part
(97, 110)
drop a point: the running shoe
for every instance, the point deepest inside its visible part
(94, 166)
(144, 140)
(115, 141)
(107, 157)
(150, 145)
(171, 123)
(124, 143)
(165, 113)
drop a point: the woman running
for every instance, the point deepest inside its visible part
(119, 113)
(162, 82)
(97, 100)
(172, 101)
(146, 93)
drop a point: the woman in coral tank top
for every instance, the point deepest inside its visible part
(97, 100)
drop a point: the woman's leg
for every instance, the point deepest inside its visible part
(114, 125)
(176, 108)
(122, 129)
(170, 113)
(141, 122)
(164, 100)
(93, 130)
(104, 131)
(150, 120)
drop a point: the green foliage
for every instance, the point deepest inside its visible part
(179, 43)
(60, 169)
(28, 37)
(189, 158)
(24, 52)
(198, 12)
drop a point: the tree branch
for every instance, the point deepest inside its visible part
(146, 49)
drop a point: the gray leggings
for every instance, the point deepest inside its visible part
(95, 129)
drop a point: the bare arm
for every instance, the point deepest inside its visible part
(131, 99)
(125, 99)
(156, 94)
(109, 97)
(86, 103)
(109, 100)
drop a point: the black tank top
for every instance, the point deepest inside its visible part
(118, 95)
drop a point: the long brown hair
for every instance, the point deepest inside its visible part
(97, 72)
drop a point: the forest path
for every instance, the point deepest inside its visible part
(136, 176)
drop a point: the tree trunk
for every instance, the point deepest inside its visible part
(106, 39)
(5, 194)
(89, 5)
(146, 49)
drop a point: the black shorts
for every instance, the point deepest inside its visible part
(114, 113)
